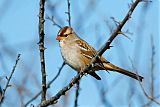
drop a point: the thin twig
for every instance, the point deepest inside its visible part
(119, 27)
(8, 79)
(55, 98)
(115, 21)
(152, 71)
(130, 97)
(152, 67)
(48, 85)
(148, 103)
(59, 71)
(77, 94)
(53, 21)
(149, 97)
(69, 13)
(41, 48)
(143, 90)
(125, 35)
(102, 93)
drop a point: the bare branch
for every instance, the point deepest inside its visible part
(119, 27)
(149, 97)
(55, 98)
(125, 35)
(48, 85)
(152, 71)
(152, 67)
(41, 48)
(69, 13)
(77, 94)
(146, 0)
(8, 79)
(115, 21)
(144, 92)
(53, 21)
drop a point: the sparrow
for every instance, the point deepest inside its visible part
(77, 53)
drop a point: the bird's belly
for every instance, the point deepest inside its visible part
(72, 58)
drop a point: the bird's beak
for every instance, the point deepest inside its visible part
(59, 38)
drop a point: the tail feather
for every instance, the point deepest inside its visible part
(95, 75)
(112, 67)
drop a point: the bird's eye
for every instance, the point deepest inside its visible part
(65, 35)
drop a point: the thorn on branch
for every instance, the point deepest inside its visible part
(110, 47)
(9, 85)
(6, 78)
(67, 13)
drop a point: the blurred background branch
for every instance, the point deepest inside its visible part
(8, 80)
(48, 85)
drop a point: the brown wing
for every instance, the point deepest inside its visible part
(88, 53)
(86, 49)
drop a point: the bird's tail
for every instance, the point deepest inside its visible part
(109, 66)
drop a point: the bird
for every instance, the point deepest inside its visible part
(77, 53)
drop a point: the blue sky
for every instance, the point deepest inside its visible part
(19, 28)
